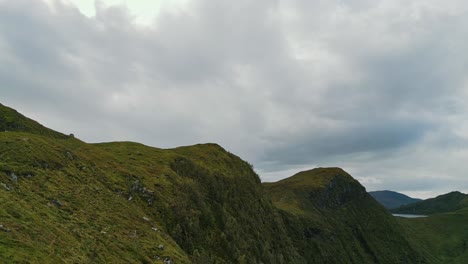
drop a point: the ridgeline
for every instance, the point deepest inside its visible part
(66, 201)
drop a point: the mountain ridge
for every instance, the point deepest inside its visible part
(64, 200)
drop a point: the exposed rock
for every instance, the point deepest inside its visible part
(135, 187)
(56, 202)
(4, 229)
(161, 247)
(337, 193)
(13, 177)
(146, 218)
(69, 155)
(5, 186)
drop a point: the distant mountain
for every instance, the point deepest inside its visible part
(391, 199)
(441, 204)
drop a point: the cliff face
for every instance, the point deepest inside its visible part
(64, 200)
(331, 218)
(67, 201)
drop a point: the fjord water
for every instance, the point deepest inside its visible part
(409, 215)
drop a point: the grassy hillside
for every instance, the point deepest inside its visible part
(333, 220)
(441, 204)
(11, 120)
(66, 201)
(442, 238)
(390, 199)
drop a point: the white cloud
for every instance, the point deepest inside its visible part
(143, 11)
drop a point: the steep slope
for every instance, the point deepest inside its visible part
(11, 120)
(66, 201)
(391, 199)
(332, 219)
(441, 204)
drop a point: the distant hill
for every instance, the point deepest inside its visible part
(391, 199)
(441, 204)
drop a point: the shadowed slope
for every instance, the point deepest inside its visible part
(332, 218)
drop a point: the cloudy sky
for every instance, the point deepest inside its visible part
(377, 87)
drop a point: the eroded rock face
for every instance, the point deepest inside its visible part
(337, 193)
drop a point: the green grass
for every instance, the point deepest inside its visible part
(11, 120)
(207, 203)
(66, 201)
(443, 238)
(96, 222)
(333, 220)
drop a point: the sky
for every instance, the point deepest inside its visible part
(377, 87)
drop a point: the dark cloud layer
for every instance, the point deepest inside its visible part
(377, 87)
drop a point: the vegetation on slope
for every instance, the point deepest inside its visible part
(65, 201)
(332, 219)
(441, 204)
(390, 199)
(11, 120)
(442, 238)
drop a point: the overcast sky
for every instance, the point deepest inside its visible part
(377, 87)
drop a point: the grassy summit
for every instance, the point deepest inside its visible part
(332, 219)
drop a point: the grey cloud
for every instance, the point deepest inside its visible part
(367, 85)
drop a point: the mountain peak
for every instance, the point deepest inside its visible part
(318, 178)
